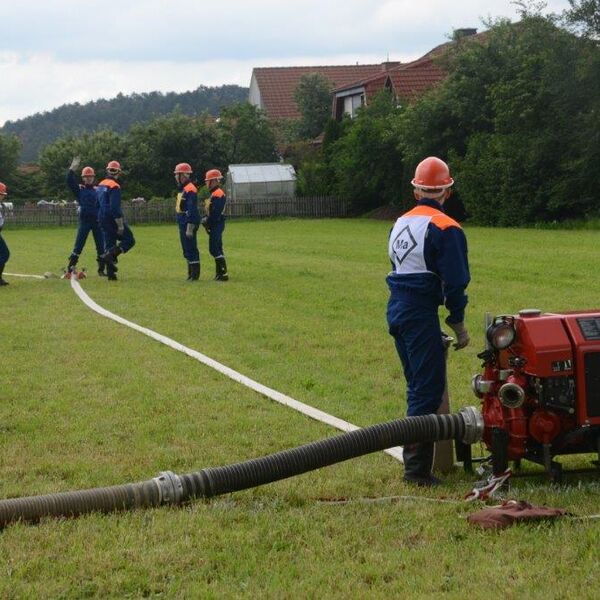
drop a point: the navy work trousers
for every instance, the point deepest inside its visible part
(215, 239)
(415, 328)
(189, 246)
(109, 230)
(4, 252)
(87, 224)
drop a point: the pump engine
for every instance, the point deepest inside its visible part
(540, 388)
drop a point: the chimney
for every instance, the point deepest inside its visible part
(390, 64)
(464, 32)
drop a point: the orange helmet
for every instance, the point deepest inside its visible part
(88, 172)
(3, 188)
(113, 165)
(183, 168)
(432, 174)
(213, 174)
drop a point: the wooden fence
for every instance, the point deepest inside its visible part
(164, 211)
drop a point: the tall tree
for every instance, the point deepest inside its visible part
(246, 134)
(9, 157)
(156, 147)
(313, 96)
(95, 150)
(584, 15)
(365, 163)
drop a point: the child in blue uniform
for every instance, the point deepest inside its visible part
(118, 238)
(428, 252)
(214, 222)
(188, 218)
(85, 193)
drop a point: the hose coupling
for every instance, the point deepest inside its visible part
(474, 425)
(170, 487)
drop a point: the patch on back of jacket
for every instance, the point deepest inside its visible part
(403, 244)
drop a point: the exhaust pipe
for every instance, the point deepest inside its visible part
(170, 488)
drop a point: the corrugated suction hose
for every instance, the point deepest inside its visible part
(169, 488)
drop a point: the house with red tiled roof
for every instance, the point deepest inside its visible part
(272, 88)
(406, 81)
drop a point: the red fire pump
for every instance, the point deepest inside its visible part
(540, 388)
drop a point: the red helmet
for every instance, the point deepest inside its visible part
(213, 174)
(183, 168)
(3, 188)
(433, 174)
(88, 172)
(113, 165)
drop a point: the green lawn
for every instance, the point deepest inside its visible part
(85, 402)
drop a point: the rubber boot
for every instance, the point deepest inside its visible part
(110, 256)
(101, 267)
(72, 262)
(418, 461)
(2, 281)
(195, 272)
(189, 277)
(111, 274)
(221, 269)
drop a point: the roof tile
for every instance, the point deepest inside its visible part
(278, 84)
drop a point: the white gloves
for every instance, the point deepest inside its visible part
(75, 163)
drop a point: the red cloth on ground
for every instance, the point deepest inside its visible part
(511, 512)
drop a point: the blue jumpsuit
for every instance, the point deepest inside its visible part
(108, 193)
(214, 208)
(88, 218)
(187, 212)
(428, 251)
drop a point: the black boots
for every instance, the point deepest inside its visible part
(101, 267)
(110, 258)
(418, 461)
(2, 281)
(111, 272)
(221, 269)
(193, 272)
(72, 262)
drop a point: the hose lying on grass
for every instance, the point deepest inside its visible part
(169, 488)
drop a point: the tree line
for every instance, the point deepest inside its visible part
(148, 151)
(118, 114)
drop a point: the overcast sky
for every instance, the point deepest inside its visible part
(57, 51)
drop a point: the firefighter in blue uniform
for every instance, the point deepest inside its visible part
(428, 252)
(188, 218)
(214, 222)
(4, 251)
(85, 193)
(118, 238)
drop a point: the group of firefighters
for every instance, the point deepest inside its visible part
(99, 208)
(427, 250)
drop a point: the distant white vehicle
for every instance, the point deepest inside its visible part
(139, 200)
(7, 205)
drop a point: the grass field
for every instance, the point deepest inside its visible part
(85, 402)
